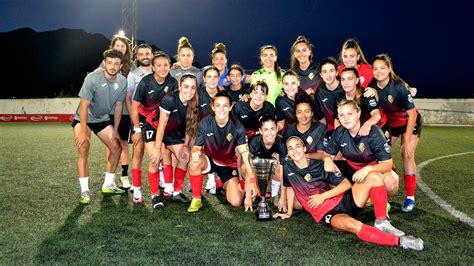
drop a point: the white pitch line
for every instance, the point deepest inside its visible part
(439, 201)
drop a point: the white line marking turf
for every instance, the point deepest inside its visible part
(439, 201)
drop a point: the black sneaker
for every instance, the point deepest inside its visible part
(220, 192)
(156, 202)
(180, 198)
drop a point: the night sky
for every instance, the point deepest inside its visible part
(426, 39)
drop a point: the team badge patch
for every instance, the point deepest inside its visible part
(229, 137)
(309, 140)
(390, 98)
(166, 89)
(410, 99)
(387, 135)
(234, 173)
(361, 147)
(115, 86)
(307, 177)
(311, 76)
(386, 148)
(372, 103)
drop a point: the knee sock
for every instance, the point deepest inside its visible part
(218, 183)
(410, 185)
(378, 195)
(153, 181)
(109, 179)
(242, 185)
(168, 176)
(179, 175)
(125, 170)
(137, 177)
(374, 235)
(196, 185)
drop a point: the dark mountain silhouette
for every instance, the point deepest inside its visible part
(49, 64)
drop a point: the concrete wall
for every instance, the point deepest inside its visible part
(435, 111)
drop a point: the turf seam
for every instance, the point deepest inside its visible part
(437, 199)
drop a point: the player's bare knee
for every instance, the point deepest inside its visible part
(351, 225)
(235, 201)
(375, 178)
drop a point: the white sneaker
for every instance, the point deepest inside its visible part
(212, 191)
(411, 242)
(125, 183)
(137, 196)
(385, 226)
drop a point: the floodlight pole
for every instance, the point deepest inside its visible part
(129, 20)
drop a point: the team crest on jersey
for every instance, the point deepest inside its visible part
(362, 147)
(229, 137)
(410, 99)
(390, 98)
(386, 148)
(387, 135)
(309, 140)
(115, 86)
(234, 173)
(307, 177)
(311, 76)
(166, 89)
(325, 142)
(372, 103)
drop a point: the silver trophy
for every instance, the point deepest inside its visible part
(263, 172)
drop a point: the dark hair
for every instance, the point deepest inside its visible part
(267, 118)
(127, 57)
(301, 39)
(276, 67)
(144, 46)
(353, 43)
(263, 85)
(192, 112)
(158, 55)
(237, 67)
(388, 61)
(112, 53)
(210, 68)
(326, 61)
(303, 97)
(358, 93)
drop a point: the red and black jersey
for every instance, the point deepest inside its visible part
(220, 142)
(367, 105)
(285, 110)
(315, 137)
(327, 104)
(366, 74)
(149, 93)
(258, 149)
(172, 105)
(395, 100)
(250, 118)
(309, 78)
(310, 181)
(359, 151)
(237, 95)
(205, 102)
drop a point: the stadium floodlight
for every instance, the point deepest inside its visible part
(121, 33)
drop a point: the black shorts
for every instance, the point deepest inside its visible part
(148, 131)
(397, 131)
(345, 169)
(95, 127)
(225, 173)
(125, 127)
(346, 205)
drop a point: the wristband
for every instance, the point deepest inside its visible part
(253, 180)
(137, 129)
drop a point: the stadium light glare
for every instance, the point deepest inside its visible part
(121, 33)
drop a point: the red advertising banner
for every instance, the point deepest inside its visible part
(37, 118)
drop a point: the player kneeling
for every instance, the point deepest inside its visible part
(332, 200)
(219, 135)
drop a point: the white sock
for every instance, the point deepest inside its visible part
(137, 192)
(176, 193)
(84, 183)
(109, 179)
(275, 188)
(211, 181)
(162, 178)
(169, 188)
(411, 197)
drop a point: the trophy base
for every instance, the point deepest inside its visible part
(264, 216)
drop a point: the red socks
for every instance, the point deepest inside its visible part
(167, 173)
(179, 175)
(378, 195)
(374, 235)
(196, 185)
(137, 177)
(410, 185)
(154, 181)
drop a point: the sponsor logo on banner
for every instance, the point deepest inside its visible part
(50, 118)
(6, 118)
(20, 117)
(36, 118)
